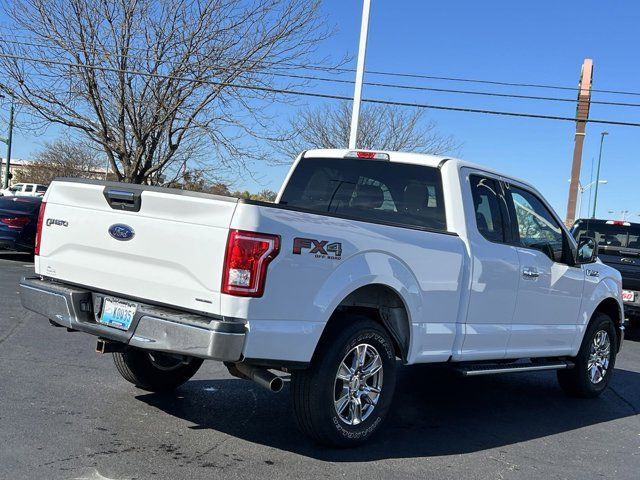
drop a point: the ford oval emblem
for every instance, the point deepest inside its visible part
(121, 232)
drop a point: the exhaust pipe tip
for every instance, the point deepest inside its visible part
(276, 384)
(260, 376)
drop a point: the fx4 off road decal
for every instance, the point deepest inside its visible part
(319, 248)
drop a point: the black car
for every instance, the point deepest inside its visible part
(619, 247)
(18, 222)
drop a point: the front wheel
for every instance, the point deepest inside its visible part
(155, 371)
(595, 361)
(345, 394)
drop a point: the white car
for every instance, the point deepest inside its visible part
(365, 258)
(24, 190)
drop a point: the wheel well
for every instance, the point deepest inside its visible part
(610, 307)
(382, 304)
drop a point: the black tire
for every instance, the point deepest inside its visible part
(154, 371)
(577, 381)
(314, 390)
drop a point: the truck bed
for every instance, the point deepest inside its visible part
(174, 257)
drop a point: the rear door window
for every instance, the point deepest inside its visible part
(375, 190)
(486, 202)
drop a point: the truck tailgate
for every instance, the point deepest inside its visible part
(174, 256)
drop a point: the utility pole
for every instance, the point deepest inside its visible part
(595, 195)
(362, 53)
(582, 114)
(7, 168)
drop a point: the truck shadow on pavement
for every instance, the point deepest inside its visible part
(435, 412)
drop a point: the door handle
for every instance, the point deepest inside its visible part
(530, 272)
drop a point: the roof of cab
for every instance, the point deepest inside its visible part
(402, 157)
(413, 158)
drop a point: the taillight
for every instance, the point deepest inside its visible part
(36, 249)
(246, 260)
(15, 222)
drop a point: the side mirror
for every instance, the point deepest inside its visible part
(587, 250)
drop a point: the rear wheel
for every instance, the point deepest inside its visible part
(595, 361)
(155, 371)
(345, 394)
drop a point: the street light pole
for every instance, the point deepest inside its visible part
(581, 190)
(362, 53)
(7, 168)
(584, 188)
(595, 195)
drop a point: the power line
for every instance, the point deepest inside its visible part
(474, 80)
(389, 85)
(318, 94)
(404, 75)
(465, 92)
(494, 82)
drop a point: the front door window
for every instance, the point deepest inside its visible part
(537, 228)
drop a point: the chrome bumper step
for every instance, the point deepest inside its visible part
(476, 369)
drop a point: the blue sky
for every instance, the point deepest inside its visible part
(533, 42)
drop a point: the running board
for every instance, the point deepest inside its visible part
(472, 370)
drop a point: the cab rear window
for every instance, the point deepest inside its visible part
(374, 190)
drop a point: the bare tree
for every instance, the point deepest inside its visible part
(156, 82)
(63, 158)
(382, 127)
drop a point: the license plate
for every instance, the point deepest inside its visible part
(117, 313)
(628, 296)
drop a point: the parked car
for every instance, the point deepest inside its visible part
(365, 257)
(24, 190)
(18, 222)
(618, 246)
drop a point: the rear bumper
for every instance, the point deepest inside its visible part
(153, 328)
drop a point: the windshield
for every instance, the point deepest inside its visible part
(609, 235)
(371, 190)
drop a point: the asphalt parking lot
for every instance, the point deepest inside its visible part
(66, 414)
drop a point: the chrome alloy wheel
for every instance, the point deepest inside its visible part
(358, 384)
(599, 356)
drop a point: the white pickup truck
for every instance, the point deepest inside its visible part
(364, 258)
(24, 190)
